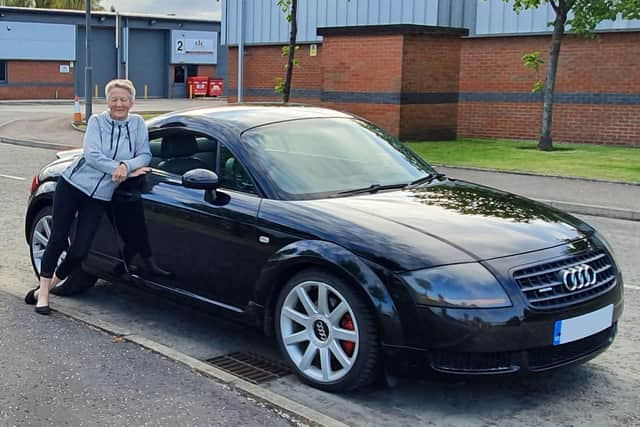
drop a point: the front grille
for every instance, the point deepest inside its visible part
(472, 362)
(543, 287)
(547, 357)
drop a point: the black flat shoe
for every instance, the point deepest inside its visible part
(30, 298)
(43, 310)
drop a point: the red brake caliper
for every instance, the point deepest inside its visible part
(347, 323)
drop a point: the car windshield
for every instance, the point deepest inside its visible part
(314, 158)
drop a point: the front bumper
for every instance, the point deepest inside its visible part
(413, 361)
(513, 339)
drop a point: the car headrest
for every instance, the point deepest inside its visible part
(178, 145)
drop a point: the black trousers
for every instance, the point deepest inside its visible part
(67, 201)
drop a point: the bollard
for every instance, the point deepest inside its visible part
(77, 116)
(190, 91)
(145, 92)
(96, 91)
(56, 93)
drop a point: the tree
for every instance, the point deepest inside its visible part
(581, 16)
(54, 4)
(289, 8)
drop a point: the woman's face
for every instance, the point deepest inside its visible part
(119, 103)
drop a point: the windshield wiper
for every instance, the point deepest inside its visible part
(427, 178)
(373, 188)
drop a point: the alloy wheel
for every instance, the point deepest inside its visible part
(39, 240)
(319, 331)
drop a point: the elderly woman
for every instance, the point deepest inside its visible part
(115, 147)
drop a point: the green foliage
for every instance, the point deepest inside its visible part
(533, 61)
(285, 6)
(586, 14)
(285, 53)
(54, 4)
(278, 86)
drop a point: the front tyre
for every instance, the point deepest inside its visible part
(327, 332)
(78, 281)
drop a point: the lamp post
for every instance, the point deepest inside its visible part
(87, 68)
(240, 48)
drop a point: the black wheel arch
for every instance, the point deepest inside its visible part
(42, 197)
(334, 259)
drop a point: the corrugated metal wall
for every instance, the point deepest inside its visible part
(265, 23)
(498, 17)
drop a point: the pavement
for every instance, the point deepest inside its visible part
(581, 196)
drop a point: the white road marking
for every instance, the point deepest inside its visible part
(635, 288)
(13, 177)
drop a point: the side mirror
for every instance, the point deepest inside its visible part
(201, 179)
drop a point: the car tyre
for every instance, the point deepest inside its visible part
(327, 332)
(77, 282)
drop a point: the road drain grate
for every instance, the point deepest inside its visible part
(250, 367)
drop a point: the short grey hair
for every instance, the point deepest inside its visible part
(122, 84)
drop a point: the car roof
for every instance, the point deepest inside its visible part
(245, 116)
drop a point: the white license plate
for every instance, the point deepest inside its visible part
(579, 327)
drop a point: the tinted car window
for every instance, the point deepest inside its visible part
(179, 151)
(317, 157)
(232, 174)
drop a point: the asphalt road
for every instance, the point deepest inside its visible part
(601, 392)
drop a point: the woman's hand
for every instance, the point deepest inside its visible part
(140, 171)
(120, 173)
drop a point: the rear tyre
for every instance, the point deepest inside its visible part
(77, 282)
(327, 332)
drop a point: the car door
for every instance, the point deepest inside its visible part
(206, 246)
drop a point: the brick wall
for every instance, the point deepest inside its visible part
(207, 70)
(37, 80)
(430, 70)
(597, 89)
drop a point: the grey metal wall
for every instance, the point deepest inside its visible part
(103, 59)
(149, 61)
(498, 17)
(265, 23)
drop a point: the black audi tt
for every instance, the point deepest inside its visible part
(322, 230)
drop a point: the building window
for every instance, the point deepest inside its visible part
(3, 71)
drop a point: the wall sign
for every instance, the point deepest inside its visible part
(64, 68)
(194, 47)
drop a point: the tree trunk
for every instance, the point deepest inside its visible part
(292, 50)
(545, 143)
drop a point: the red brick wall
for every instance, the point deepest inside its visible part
(46, 73)
(607, 64)
(430, 64)
(362, 63)
(207, 70)
(263, 64)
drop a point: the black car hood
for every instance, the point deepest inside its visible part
(442, 223)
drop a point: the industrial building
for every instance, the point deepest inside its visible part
(440, 69)
(42, 52)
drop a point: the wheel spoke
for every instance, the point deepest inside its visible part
(306, 301)
(297, 317)
(40, 238)
(38, 253)
(297, 337)
(338, 312)
(308, 356)
(340, 355)
(345, 335)
(325, 363)
(323, 302)
(47, 227)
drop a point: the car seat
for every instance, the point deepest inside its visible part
(176, 150)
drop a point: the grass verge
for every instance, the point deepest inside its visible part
(577, 160)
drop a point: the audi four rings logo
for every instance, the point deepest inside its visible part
(578, 277)
(320, 330)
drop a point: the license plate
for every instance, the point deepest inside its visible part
(579, 327)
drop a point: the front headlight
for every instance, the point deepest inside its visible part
(459, 285)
